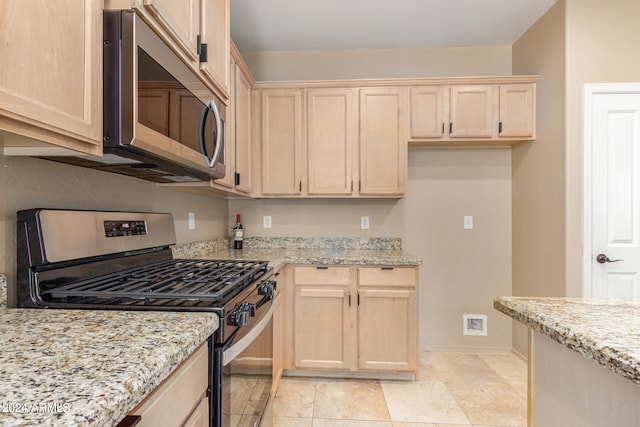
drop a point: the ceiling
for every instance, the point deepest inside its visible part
(276, 25)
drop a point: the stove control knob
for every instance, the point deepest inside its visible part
(267, 287)
(239, 316)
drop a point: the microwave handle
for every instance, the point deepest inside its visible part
(211, 162)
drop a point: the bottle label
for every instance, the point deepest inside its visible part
(237, 235)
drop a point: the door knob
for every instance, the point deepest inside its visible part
(602, 258)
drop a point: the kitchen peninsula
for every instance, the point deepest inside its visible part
(584, 359)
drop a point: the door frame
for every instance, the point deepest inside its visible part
(589, 90)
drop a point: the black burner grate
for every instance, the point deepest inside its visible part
(172, 282)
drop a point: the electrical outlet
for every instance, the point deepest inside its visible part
(468, 222)
(266, 221)
(364, 222)
(192, 221)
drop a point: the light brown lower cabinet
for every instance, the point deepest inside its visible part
(181, 398)
(361, 319)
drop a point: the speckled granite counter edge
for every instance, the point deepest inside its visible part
(3, 291)
(576, 341)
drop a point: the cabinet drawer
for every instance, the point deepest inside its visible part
(387, 276)
(172, 402)
(322, 276)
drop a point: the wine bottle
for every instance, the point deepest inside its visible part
(238, 234)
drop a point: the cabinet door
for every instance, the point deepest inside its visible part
(387, 338)
(180, 20)
(332, 135)
(473, 112)
(517, 111)
(229, 179)
(214, 32)
(322, 336)
(243, 131)
(51, 73)
(427, 112)
(383, 142)
(281, 124)
(200, 416)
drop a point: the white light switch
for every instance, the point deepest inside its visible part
(364, 222)
(266, 221)
(468, 222)
(192, 221)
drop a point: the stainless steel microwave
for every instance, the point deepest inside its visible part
(160, 121)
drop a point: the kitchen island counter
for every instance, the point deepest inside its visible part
(89, 367)
(584, 360)
(606, 331)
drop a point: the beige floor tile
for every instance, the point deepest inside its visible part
(510, 368)
(495, 404)
(426, 369)
(292, 422)
(295, 398)
(403, 424)
(422, 401)
(462, 367)
(350, 400)
(322, 422)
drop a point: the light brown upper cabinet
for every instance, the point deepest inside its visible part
(215, 35)
(198, 29)
(51, 77)
(238, 130)
(332, 140)
(281, 141)
(517, 111)
(472, 111)
(471, 115)
(383, 142)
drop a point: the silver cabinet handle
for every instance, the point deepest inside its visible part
(602, 258)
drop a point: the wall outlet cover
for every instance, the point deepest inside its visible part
(474, 324)
(266, 221)
(364, 222)
(192, 221)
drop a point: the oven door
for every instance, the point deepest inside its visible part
(246, 373)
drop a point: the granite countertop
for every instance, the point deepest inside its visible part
(606, 331)
(89, 367)
(325, 251)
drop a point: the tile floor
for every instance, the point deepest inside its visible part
(451, 389)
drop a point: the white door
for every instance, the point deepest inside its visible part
(612, 190)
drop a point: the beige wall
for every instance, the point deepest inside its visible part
(463, 270)
(602, 46)
(576, 42)
(30, 183)
(380, 63)
(539, 169)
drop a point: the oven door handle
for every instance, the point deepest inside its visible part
(232, 352)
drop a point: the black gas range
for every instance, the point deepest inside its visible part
(123, 261)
